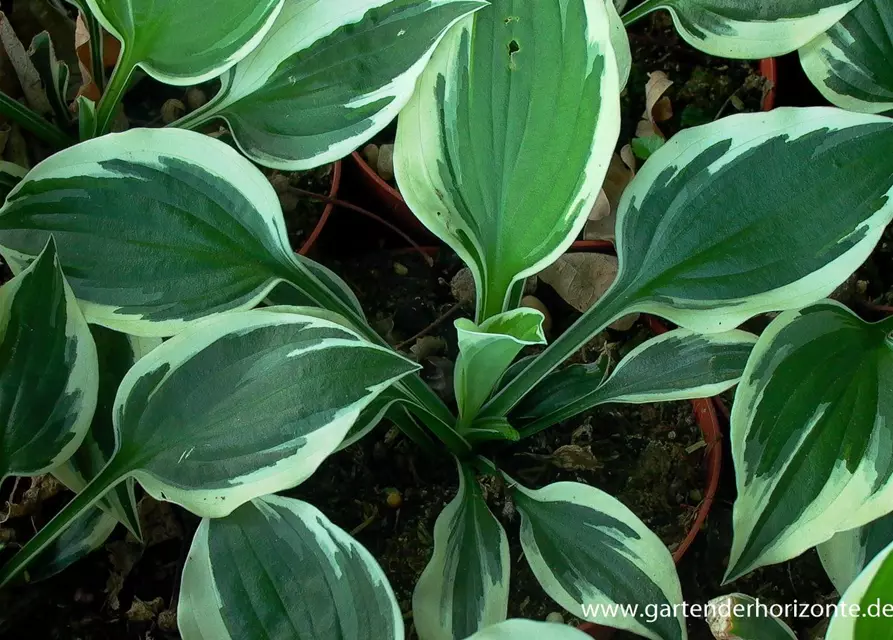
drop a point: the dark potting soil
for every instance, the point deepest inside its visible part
(302, 212)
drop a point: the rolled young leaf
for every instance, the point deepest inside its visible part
(48, 370)
(677, 365)
(517, 629)
(846, 554)
(852, 62)
(278, 569)
(588, 551)
(810, 434)
(486, 351)
(735, 616)
(159, 228)
(116, 354)
(236, 407)
(184, 43)
(504, 146)
(465, 586)
(748, 29)
(865, 610)
(328, 76)
(711, 232)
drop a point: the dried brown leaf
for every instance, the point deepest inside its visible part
(29, 78)
(581, 279)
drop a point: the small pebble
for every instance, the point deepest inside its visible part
(386, 161)
(370, 154)
(555, 617)
(195, 98)
(393, 498)
(400, 269)
(172, 110)
(695, 496)
(671, 435)
(167, 620)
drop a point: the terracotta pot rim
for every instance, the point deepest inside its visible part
(326, 213)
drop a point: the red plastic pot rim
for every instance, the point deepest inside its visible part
(324, 218)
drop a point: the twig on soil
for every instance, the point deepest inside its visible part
(365, 523)
(430, 327)
(9, 503)
(352, 207)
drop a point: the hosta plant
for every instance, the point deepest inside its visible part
(271, 366)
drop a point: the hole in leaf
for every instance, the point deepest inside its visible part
(514, 47)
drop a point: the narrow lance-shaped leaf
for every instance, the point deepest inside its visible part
(328, 76)
(48, 371)
(864, 611)
(811, 434)
(846, 554)
(710, 232)
(116, 353)
(737, 617)
(588, 551)
(852, 62)
(277, 568)
(160, 228)
(678, 365)
(518, 629)
(748, 29)
(486, 351)
(234, 408)
(504, 146)
(185, 43)
(465, 586)
(87, 534)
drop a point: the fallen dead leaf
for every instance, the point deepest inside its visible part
(427, 346)
(628, 157)
(145, 611)
(603, 218)
(572, 457)
(658, 107)
(29, 78)
(581, 279)
(111, 49)
(42, 489)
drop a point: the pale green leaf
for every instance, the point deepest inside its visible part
(185, 43)
(748, 29)
(517, 629)
(328, 76)
(587, 549)
(465, 586)
(620, 43)
(486, 351)
(711, 232)
(846, 554)
(677, 365)
(737, 617)
(278, 569)
(48, 371)
(865, 610)
(159, 228)
(504, 146)
(811, 434)
(852, 62)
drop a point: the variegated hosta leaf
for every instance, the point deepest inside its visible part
(870, 598)
(48, 371)
(185, 43)
(504, 146)
(748, 29)
(159, 228)
(588, 551)
(10, 175)
(677, 365)
(852, 62)
(465, 586)
(116, 353)
(328, 76)
(811, 434)
(711, 233)
(245, 404)
(736, 617)
(278, 569)
(518, 629)
(486, 351)
(620, 43)
(87, 534)
(846, 554)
